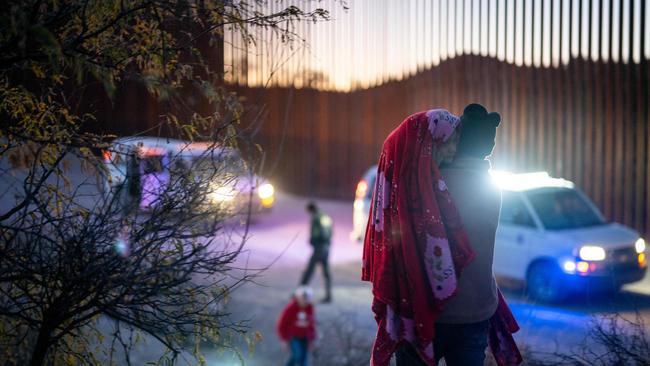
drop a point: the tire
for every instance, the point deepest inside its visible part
(544, 283)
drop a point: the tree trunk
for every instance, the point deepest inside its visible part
(42, 344)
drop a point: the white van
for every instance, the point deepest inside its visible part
(157, 157)
(552, 237)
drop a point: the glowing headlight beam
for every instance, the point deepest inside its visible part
(266, 191)
(222, 194)
(592, 253)
(639, 246)
(524, 181)
(569, 266)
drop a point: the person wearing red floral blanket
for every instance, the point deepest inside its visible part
(416, 247)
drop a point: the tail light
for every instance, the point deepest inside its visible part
(106, 154)
(362, 189)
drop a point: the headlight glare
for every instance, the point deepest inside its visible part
(222, 194)
(639, 245)
(592, 253)
(266, 191)
(569, 266)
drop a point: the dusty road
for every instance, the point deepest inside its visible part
(279, 239)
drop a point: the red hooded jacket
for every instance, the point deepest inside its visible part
(297, 322)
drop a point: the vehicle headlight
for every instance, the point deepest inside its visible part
(222, 194)
(266, 191)
(592, 253)
(569, 266)
(639, 245)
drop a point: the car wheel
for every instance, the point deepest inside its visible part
(544, 284)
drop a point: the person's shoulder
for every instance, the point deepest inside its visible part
(469, 163)
(292, 304)
(461, 174)
(467, 166)
(325, 219)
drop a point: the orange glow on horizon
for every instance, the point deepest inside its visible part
(376, 41)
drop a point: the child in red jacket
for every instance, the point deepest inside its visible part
(297, 326)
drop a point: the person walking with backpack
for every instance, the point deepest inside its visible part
(320, 237)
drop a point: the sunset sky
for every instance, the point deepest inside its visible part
(379, 40)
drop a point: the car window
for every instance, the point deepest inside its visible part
(152, 164)
(563, 208)
(225, 164)
(514, 211)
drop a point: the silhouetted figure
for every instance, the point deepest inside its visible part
(417, 251)
(462, 326)
(133, 185)
(319, 238)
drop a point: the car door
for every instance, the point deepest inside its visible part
(516, 233)
(155, 178)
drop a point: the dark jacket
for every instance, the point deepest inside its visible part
(479, 203)
(321, 230)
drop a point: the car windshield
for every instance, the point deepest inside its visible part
(152, 164)
(563, 208)
(230, 164)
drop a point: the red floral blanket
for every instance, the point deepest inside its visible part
(415, 246)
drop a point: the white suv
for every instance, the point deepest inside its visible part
(554, 238)
(550, 236)
(159, 157)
